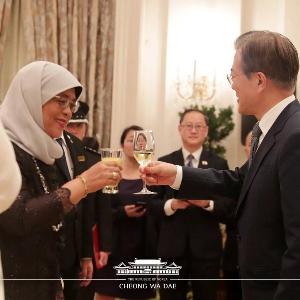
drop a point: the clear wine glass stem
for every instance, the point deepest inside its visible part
(144, 189)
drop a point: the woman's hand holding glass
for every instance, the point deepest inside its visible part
(115, 156)
(102, 174)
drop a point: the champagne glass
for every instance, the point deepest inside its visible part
(114, 155)
(143, 149)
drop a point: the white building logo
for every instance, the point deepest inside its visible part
(147, 267)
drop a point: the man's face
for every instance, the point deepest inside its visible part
(244, 87)
(77, 129)
(193, 130)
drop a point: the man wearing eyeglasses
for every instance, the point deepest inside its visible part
(189, 233)
(266, 188)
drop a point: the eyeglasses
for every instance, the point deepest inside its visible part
(64, 102)
(197, 127)
(230, 77)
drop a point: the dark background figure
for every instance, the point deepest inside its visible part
(77, 250)
(230, 253)
(133, 227)
(95, 209)
(78, 124)
(91, 143)
(189, 234)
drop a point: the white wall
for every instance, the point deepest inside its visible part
(155, 39)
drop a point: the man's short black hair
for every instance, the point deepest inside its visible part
(193, 110)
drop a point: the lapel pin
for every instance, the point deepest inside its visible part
(204, 162)
(81, 158)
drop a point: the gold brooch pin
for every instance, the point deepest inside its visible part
(81, 158)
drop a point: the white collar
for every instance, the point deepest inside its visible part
(196, 153)
(272, 114)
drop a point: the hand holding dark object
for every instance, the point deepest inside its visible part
(134, 211)
(179, 204)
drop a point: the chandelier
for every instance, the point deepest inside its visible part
(199, 88)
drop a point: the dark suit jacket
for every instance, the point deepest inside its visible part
(193, 230)
(101, 214)
(268, 210)
(77, 229)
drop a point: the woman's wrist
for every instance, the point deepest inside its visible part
(84, 183)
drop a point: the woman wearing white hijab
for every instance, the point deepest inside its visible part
(35, 110)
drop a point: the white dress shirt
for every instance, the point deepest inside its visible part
(196, 155)
(68, 157)
(271, 115)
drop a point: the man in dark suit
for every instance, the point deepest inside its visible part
(78, 250)
(76, 233)
(263, 75)
(190, 234)
(101, 209)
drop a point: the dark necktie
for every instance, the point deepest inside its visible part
(256, 133)
(62, 161)
(189, 159)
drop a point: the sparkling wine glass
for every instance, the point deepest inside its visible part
(114, 155)
(143, 149)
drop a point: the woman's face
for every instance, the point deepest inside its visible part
(57, 112)
(141, 142)
(128, 144)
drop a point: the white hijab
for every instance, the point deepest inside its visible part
(21, 111)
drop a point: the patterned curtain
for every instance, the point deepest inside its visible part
(77, 34)
(5, 12)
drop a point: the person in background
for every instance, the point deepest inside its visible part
(30, 230)
(133, 227)
(248, 144)
(10, 182)
(189, 232)
(141, 141)
(96, 209)
(266, 188)
(78, 124)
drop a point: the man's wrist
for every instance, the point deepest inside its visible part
(178, 178)
(209, 206)
(168, 208)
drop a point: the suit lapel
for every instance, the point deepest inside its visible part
(60, 165)
(77, 154)
(178, 157)
(266, 145)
